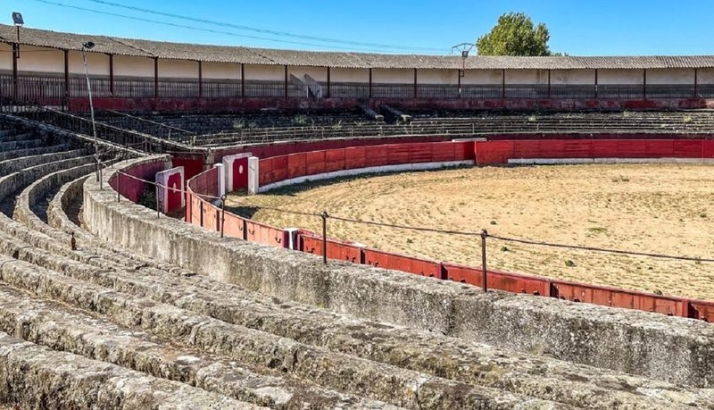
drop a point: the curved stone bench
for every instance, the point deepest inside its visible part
(5, 155)
(569, 331)
(16, 164)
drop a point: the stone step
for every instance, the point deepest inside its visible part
(338, 371)
(33, 376)
(20, 145)
(394, 345)
(16, 164)
(15, 136)
(65, 329)
(5, 155)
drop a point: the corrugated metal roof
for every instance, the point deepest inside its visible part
(247, 55)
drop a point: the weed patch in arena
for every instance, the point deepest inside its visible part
(657, 208)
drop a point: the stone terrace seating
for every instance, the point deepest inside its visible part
(102, 327)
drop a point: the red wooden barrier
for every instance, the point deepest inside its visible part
(265, 171)
(234, 226)
(701, 310)
(375, 156)
(297, 165)
(355, 158)
(444, 152)
(315, 163)
(421, 153)
(335, 250)
(335, 160)
(403, 263)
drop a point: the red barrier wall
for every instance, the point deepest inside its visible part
(131, 188)
(293, 165)
(499, 152)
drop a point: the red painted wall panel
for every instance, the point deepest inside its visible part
(335, 160)
(421, 153)
(398, 154)
(315, 162)
(443, 152)
(493, 152)
(402, 263)
(702, 310)
(707, 149)
(375, 156)
(355, 158)
(297, 165)
(280, 168)
(240, 174)
(265, 171)
(462, 274)
(688, 149)
(191, 166)
(175, 196)
(463, 151)
(234, 226)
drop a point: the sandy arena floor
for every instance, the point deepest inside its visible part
(647, 208)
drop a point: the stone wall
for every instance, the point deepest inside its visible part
(665, 348)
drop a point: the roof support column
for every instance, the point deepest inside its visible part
(370, 83)
(549, 84)
(696, 81)
(329, 94)
(66, 78)
(242, 80)
(111, 75)
(503, 84)
(200, 79)
(596, 83)
(644, 84)
(286, 81)
(415, 84)
(156, 77)
(15, 48)
(459, 74)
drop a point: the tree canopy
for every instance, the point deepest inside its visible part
(515, 35)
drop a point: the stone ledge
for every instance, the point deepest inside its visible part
(672, 349)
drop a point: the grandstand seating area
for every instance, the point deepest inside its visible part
(103, 326)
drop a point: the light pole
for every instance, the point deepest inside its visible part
(88, 46)
(18, 21)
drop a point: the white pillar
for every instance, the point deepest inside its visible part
(221, 179)
(253, 175)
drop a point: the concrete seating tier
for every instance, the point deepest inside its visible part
(166, 335)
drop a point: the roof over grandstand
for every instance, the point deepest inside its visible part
(247, 55)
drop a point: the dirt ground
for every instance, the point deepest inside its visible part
(658, 208)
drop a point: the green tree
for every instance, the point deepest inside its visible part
(515, 35)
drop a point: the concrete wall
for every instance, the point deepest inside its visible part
(264, 72)
(526, 77)
(39, 60)
(666, 348)
(572, 77)
(671, 76)
(492, 77)
(178, 69)
(620, 77)
(97, 64)
(319, 74)
(443, 77)
(349, 75)
(393, 76)
(133, 67)
(221, 71)
(705, 76)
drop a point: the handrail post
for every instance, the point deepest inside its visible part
(324, 237)
(484, 270)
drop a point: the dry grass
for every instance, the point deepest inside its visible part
(648, 208)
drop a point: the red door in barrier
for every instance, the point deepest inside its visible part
(240, 174)
(175, 184)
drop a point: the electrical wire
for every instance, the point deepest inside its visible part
(259, 30)
(208, 30)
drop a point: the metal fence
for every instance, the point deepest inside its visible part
(52, 89)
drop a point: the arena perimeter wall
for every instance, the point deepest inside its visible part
(666, 348)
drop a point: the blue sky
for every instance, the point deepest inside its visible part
(605, 27)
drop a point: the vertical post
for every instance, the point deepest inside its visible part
(158, 202)
(484, 270)
(458, 75)
(324, 237)
(503, 84)
(696, 81)
(111, 75)
(223, 213)
(66, 78)
(200, 208)
(549, 93)
(644, 84)
(242, 80)
(15, 48)
(329, 84)
(596, 83)
(370, 83)
(156, 77)
(119, 186)
(415, 84)
(200, 79)
(286, 81)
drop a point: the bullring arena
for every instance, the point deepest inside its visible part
(126, 281)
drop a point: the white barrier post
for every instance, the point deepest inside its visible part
(221, 179)
(253, 175)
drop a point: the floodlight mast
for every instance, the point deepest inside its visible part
(88, 46)
(464, 48)
(18, 21)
